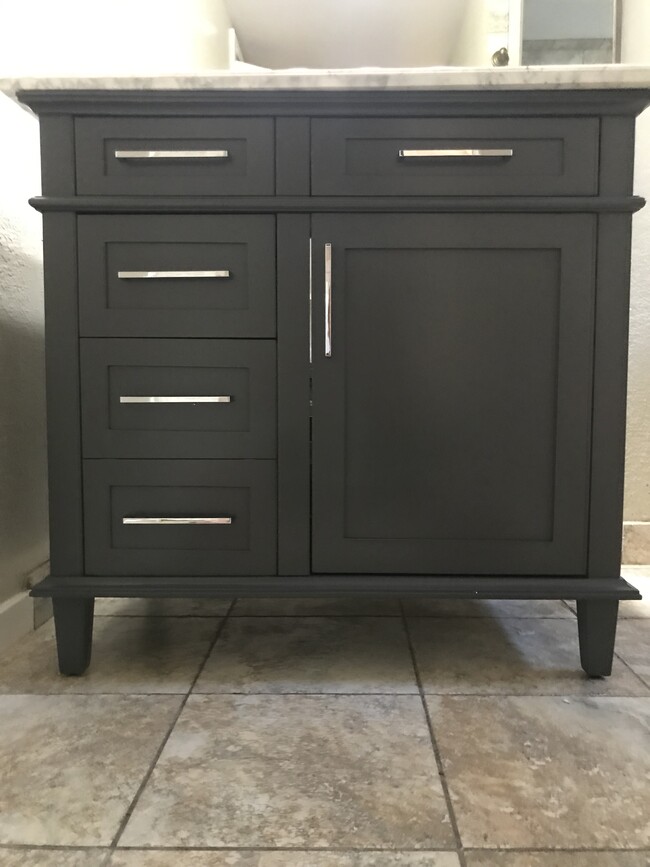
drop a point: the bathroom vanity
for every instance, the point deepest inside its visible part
(320, 335)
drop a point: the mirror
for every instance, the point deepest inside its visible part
(335, 34)
(560, 32)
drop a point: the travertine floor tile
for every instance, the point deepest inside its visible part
(53, 857)
(557, 859)
(130, 655)
(71, 764)
(161, 607)
(508, 656)
(633, 646)
(283, 858)
(485, 607)
(290, 607)
(547, 772)
(313, 654)
(276, 771)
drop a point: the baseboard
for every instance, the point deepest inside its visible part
(636, 543)
(21, 614)
(42, 607)
(16, 619)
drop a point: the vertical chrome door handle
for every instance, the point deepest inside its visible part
(328, 300)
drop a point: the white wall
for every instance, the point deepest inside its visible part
(483, 30)
(636, 49)
(23, 493)
(78, 37)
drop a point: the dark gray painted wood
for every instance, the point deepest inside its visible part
(339, 204)
(361, 157)
(243, 370)
(62, 389)
(73, 624)
(597, 634)
(248, 169)
(245, 491)
(370, 102)
(451, 424)
(284, 117)
(616, 156)
(58, 177)
(292, 154)
(293, 395)
(609, 400)
(241, 305)
(442, 587)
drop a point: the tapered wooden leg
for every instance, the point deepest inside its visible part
(73, 624)
(597, 631)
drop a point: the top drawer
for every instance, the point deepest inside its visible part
(455, 157)
(175, 156)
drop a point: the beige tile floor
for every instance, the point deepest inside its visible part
(328, 733)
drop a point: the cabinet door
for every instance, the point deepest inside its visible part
(451, 423)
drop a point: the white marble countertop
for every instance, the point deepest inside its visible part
(611, 76)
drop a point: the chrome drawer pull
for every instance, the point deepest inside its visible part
(171, 155)
(169, 275)
(201, 398)
(328, 300)
(177, 521)
(457, 152)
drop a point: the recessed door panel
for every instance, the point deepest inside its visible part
(451, 420)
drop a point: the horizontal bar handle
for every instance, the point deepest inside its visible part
(176, 521)
(456, 152)
(181, 398)
(169, 275)
(171, 155)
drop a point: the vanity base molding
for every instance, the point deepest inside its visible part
(597, 601)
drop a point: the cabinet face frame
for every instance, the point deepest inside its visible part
(566, 552)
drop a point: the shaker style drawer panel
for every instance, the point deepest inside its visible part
(178, 398)
(449, 156)
(180, 517)
(176, 276)
(175, 156)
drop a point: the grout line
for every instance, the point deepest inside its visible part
(627, 665)
(436, 752)
(147, 776)
(9, 847)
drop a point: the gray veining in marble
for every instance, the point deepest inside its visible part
(71, 764)
(367, 78)
(294, 771)
(546, 772)
(486, 656)
(310, 655)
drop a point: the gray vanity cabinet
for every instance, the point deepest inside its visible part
(337, 343)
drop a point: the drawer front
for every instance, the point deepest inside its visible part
(180, 517)
(176, 276)
(175, 156)
(178, 398)
(424, 157)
